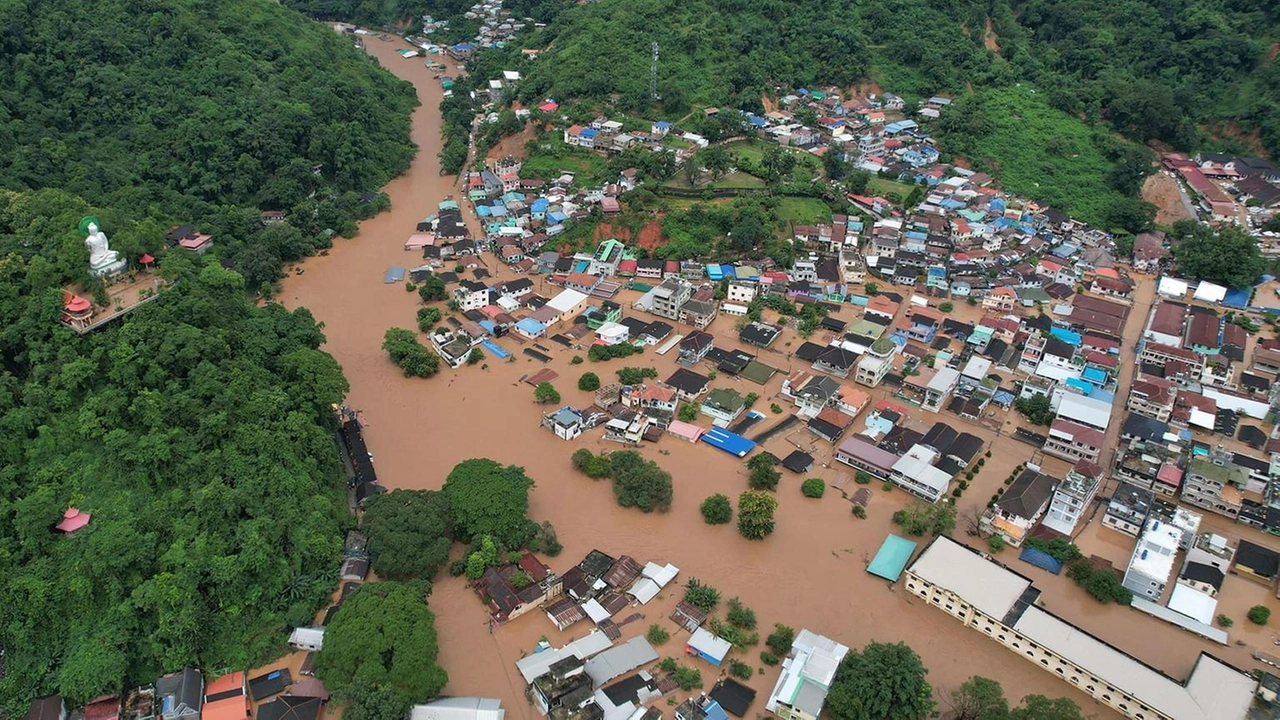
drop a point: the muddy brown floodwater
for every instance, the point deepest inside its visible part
(810, 573)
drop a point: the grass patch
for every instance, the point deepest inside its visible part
(885, 187)
(803, 211)
(739, 180)
(547, 160)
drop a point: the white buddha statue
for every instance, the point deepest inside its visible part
(102, 259)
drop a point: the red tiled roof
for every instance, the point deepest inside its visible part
(1169, 474)
(533, 567)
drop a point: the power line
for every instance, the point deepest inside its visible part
(653, 74)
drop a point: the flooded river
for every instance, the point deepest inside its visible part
(810, 573)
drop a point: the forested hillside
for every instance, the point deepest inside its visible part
(196, 434)
(197, 430)
(1159, 69)
(191, 107)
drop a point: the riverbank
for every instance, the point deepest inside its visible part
(810, 573)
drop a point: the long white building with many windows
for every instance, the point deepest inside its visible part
(1002, 605)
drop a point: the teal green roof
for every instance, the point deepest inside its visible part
(892, 558)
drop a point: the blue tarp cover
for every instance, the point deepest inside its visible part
(394, 274)
(1041, 559)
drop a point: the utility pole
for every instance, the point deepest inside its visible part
(653, 74)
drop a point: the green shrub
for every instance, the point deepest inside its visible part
(687, 678)
(1104, 584)
(740, 670)
(741, 616)
(859, 512)
(636, 375)
(768, 658)
(886, 486)
(716, 510)
(656, 635)
(1225, 621)
(1259, 614)
(576, 360)
(704, 597)
(589, 382)
(779, 641)
(775, 408)
(427, 318)
(813, 488)
(1060, 549)
(996, 543)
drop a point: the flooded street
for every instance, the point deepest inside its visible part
(809, 574)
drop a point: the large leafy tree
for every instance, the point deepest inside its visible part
(1039, 707)
(638, 482)
(1226, 255)
(488, 498)
(410, 533)
(881, 682)
(979, 698)
(383, 636)
(755, 514)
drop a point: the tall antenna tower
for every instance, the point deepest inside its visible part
(653, 74)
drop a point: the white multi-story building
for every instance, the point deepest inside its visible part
(670, 297)
(1151, 564)
(742, 292)
(806, 677)
(1073, 497)
(875, 363)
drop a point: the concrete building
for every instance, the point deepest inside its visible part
(1020, 506)
(723, 405)
(1128, 508)
(806, 677)
(1212, 551)
(1001, 604)
(471, 295)
(1152, 561)
(1073, 441)
(915, 473)
(875, 363)
(1073, 496)
(1152, 396)
(939, 389)
(670, 297)
(742, 292)
(567, 423)
(1215, 485)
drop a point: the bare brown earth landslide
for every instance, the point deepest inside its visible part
(810, 573)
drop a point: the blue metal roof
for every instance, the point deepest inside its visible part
(731, 443)
(1094, 375)
(1066, 336)
(892, 558)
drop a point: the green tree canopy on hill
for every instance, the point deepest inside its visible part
(197, 431)
(383, 636)
(203, 113)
